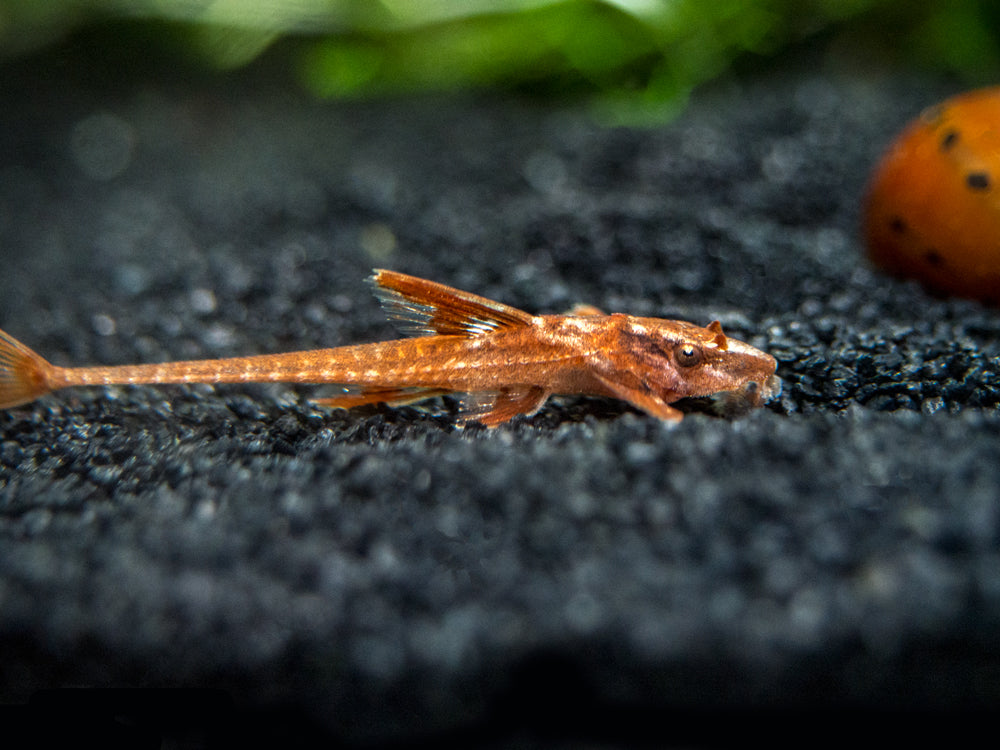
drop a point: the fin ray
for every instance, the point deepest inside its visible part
(425, 308)
(496, 407)
(391, 396)
(24, 375)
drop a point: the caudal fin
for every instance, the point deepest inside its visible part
(23, 374)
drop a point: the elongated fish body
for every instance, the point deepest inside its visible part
(507, 361)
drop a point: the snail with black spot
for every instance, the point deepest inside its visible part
(931, 211)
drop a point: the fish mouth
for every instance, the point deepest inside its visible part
(769, 390)
(742, 400)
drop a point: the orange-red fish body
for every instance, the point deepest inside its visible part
(506, 361)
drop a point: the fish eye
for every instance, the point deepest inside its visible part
(688, 355)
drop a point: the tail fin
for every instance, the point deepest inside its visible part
(23, 374)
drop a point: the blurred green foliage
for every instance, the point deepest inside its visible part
(637, 58)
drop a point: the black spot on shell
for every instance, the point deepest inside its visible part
(897, 225)
(934, 258)
(978, 180)
(949, 139)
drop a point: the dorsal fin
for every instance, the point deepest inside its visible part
(424, 308)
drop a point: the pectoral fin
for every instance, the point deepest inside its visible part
(644, 400)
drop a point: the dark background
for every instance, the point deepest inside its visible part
(380, 576)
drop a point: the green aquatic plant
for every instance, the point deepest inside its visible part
(637, 58)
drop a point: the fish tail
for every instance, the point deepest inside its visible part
(24, 375)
